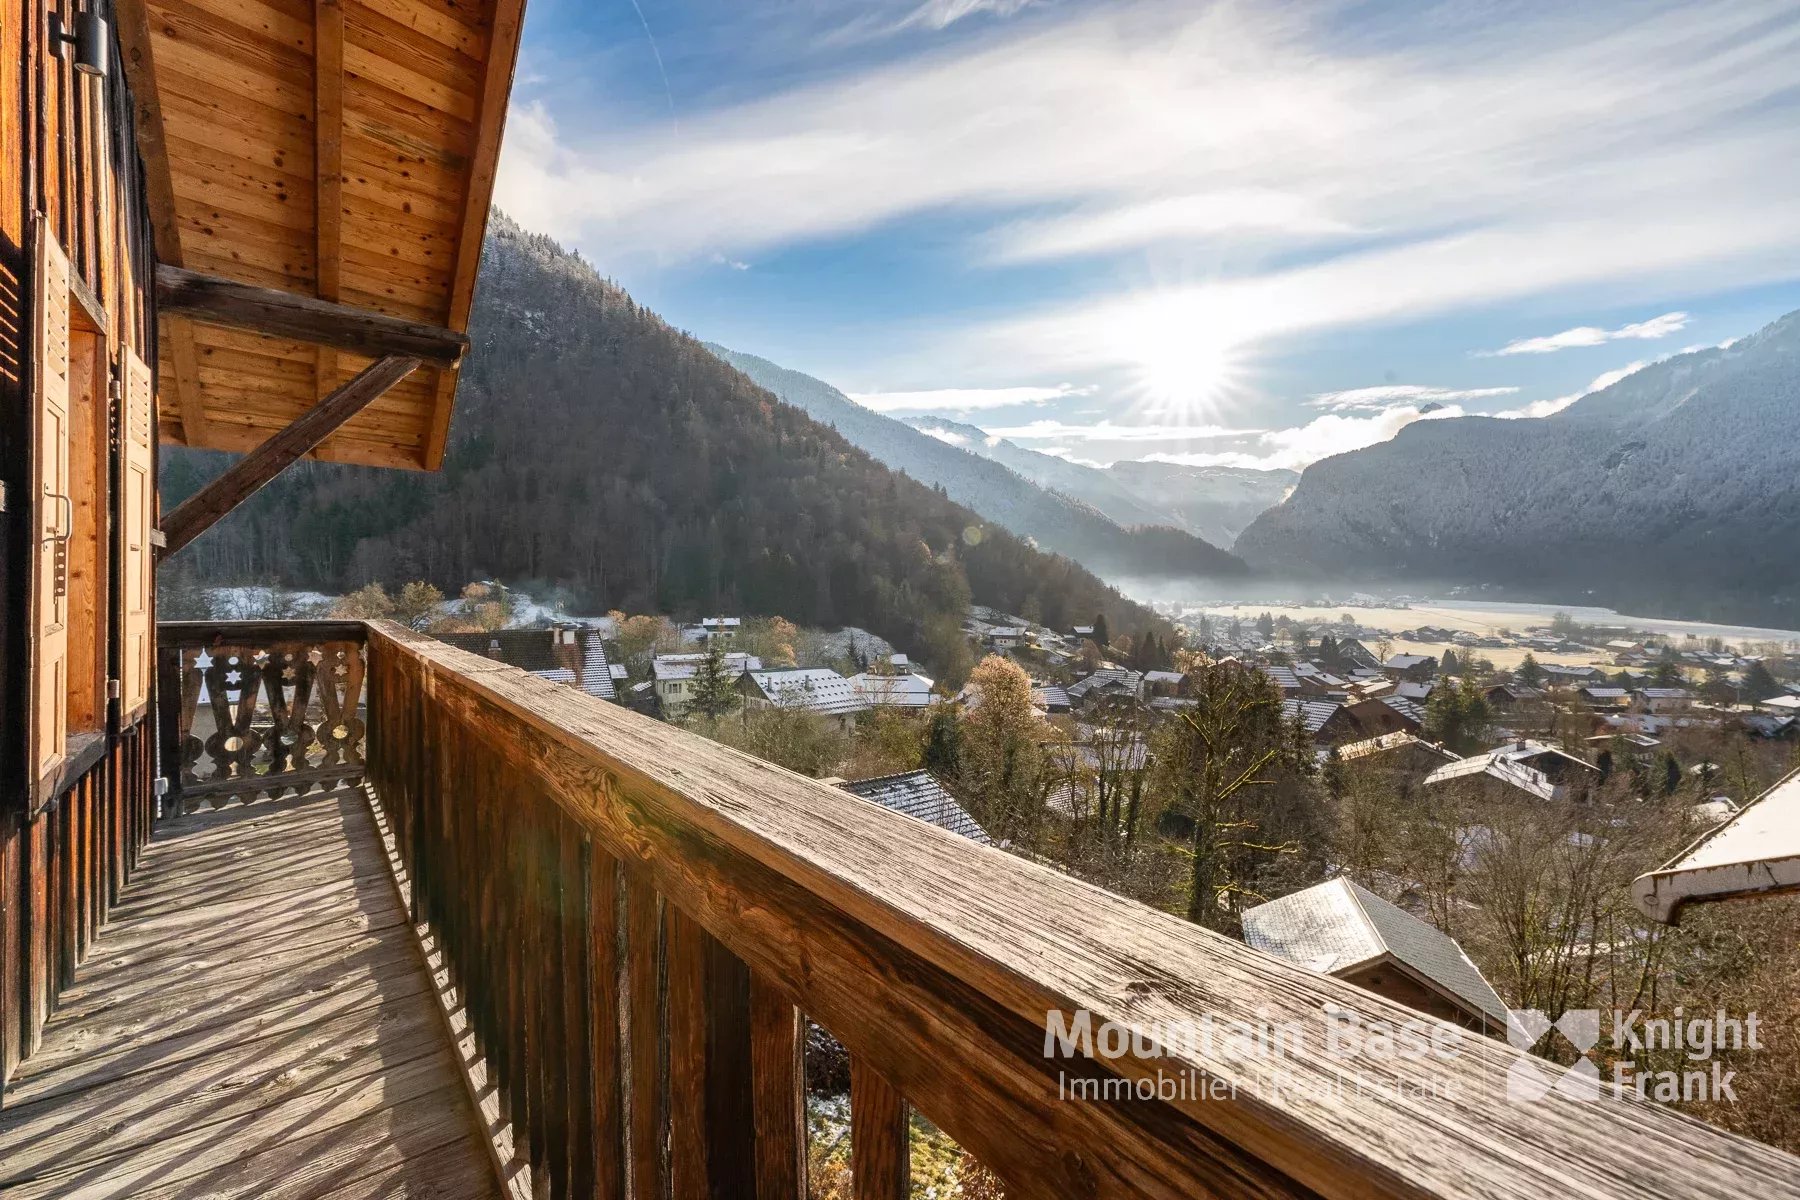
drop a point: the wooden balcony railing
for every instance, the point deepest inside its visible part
(635, 918)
(253, 707)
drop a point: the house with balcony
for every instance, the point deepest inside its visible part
(334, 909)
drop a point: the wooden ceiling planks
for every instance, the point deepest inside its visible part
(343, 149)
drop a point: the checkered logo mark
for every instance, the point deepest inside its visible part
(1531, 1079)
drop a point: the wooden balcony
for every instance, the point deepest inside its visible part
(618, 926)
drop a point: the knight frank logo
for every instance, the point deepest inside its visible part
(1659, 1058)
(1531, 1079)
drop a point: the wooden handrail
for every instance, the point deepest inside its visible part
(556, 842)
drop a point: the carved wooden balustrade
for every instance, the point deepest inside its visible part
(634, 919)
(259, 708)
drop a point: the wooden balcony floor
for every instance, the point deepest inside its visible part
(255, 1020)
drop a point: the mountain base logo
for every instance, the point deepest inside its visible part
(1658, 1058)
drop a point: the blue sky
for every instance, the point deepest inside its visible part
(1240, 233)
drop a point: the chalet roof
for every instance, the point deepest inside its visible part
(814, 689)
(897, 691)
(1163, 677)
(564, 655)
(686, 666)
(1388, 743)
(1312, 713)
(1755, 852)
(1523, 764)
(919, 794)
(1407, 707)
(1050, 697)
(1605, 693)
(1336, 926)
(1406, 662)
(1665, 693)
(1116, 679)
(1283, 677)
(348, 158)
(1415, 691)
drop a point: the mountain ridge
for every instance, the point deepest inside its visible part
(1064, 524)
(1674, 485)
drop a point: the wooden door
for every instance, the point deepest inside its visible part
(137, 513)
(52, 509)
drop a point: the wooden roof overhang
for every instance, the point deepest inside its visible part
(318, 150)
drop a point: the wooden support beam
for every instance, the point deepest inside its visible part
(199, 512)
(215, 301)
(136, 43)
(328, 172)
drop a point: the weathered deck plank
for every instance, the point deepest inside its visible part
(254, 1021)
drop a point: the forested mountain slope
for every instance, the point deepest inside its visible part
(1212, 503)
(1089, 532)
(1675, 487)
(599, 449)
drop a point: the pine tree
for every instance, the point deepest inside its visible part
(715, 689)
(1530, 673)
(1759, 685)
(1102, 636)
(1449, 665)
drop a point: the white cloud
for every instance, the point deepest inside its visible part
(1393, 395)
(736, 264)
(1590, 335)
(963, 399)
(1297, 448)
(1107, 431)
(1548, 408)
(947, 436)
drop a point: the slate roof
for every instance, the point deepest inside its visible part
(1313, 713)
(1284, 677)
(1107, 678)
(814, 689)
(1664, 693)
(919, 794)
(1409, 708)
(1051, 698)
(1336, 926)
(1163, 677)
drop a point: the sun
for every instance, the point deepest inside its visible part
(1182, 365)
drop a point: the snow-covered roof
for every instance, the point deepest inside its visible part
(686, 666)
(1525, 765)
(1757, 852)
(814, 689)
(899, 691)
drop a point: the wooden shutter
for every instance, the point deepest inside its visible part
(137, 516)
(51, 508)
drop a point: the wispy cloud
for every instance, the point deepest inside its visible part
(1387, 177)
(1549, 408)
(1299, 447)
(938, 14)
(1396, 395)
(964, 399)
(1107, 431)
(1592, 335)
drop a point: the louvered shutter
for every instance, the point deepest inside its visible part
(51, 507)
(137, 517)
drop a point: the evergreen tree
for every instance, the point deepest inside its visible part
(1530, 673)
(1449, 665)
(943, 742)
(1265, 625)
(1759, 684)
(715, 688)
(1102, 635)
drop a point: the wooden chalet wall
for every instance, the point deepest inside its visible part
(70, 180)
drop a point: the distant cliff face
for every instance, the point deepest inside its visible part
(1679, 486)
(1058, 520)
